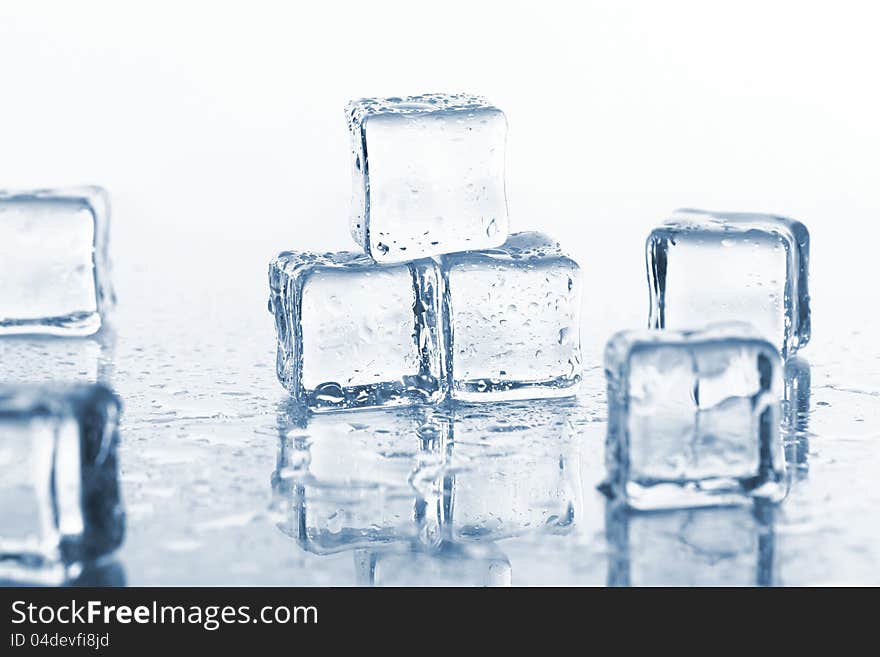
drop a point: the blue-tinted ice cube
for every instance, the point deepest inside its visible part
(60, 505)
(691, 547)
(369, 478)
(54, 263)
(513, 320)
(352, 333)
(705, 268)
(693, 418)
(428, 175)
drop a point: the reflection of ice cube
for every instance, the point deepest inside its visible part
(512, 469)
(428, 175)
(54, 263)
(705, 268)
(693, 418)
(354, 334)
(59, 495)
(513, 320)
(360, 479)
(797, 414)
(694, 547)
(448, 565)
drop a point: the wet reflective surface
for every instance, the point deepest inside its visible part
(225, 482)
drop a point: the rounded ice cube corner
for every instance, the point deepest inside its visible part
(512, 318)
(708, 267)
(427, 175)
(55, 271)
(355, 334)
(693, 418)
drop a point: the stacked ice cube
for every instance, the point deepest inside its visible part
(694, 402)
(443, 302)
(60, 509)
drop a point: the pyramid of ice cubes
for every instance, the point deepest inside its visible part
(442, 302)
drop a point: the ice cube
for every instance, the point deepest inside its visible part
(428, 175)
(54, 263)
(705, 268)
(60, 505)
(363, 479)
(449, 565)
(513, 470)
(691, 547)
(513, 320)
(693, 418)
(352, 333)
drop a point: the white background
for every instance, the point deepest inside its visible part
(218, 128)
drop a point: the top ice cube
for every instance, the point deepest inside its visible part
(428, 175)
(706, 267)
(54, 267)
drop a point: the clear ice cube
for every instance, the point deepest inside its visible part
(513, 320)
(370, 480)
(54, 263)
(705, 268)
(60, 505)
(691, 547)
(693, 418)
(428, 175)
(352, 333)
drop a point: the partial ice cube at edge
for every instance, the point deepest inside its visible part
(54, 262)
(60, 504)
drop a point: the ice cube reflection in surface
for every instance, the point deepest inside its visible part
(428, 175)
(513, 320)
(692, 547)
(352, 333)
(59, 495)
(450, 564)
(513, 469)
(54, 262)
(694, 418)
(705, 268)
(363, 479)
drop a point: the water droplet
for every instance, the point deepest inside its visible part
(330, 392)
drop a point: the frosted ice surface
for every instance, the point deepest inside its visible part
(54, 263)
(59, 497)
(705, 268)
(693, 417)
(513, 323)
(428, 175)
(352, 333)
